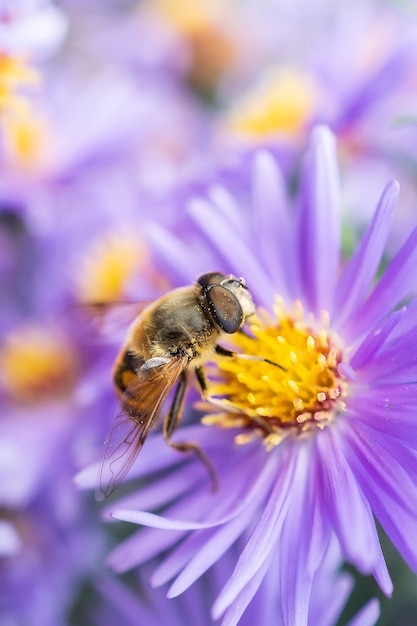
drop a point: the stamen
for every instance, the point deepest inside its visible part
(305, 395)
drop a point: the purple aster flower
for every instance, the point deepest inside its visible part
(302, 453)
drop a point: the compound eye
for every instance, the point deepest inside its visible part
(211, 278)
(224, 309)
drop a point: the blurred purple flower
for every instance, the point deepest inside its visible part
(337, 425)
(46, 551)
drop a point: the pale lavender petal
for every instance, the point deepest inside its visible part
(234, 251)
(355, 281)
(368, 614)
(253, 490)
(226, 204)
(334, 587)
(374, 341)
(215, 545)
(204, 557)
(271, 224)
(393, 286)
(388, 461)
(389, 418)
(398, 523)
(263, 538)
(396, 361)
(172, 252)
(10, 542)
(294, 546)
(217, 510)
(140, 547)
(178, 558)
(172, 485)
(237, 608)
(351, 514)
(396, 394)
(144, 518)
(87, 477)
(332, 603)
(319, 222)
(409, 321)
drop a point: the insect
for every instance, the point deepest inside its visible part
(173, 335)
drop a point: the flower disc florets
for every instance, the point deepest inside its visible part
(296, 389)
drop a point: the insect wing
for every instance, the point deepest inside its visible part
(106, 322)
(131, 425)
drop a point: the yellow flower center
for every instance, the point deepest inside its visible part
(14, 73)
(37, 363)
(203, 25)
(304, 393)
(282, 103)
(27, 141)
(112, 261)
(187, 16)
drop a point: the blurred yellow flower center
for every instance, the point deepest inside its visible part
(27, 141)
(188, 16)
(203, 25)
(109, 265)
(14, 73)
(283, 103)
(37, 363)
(270, 402)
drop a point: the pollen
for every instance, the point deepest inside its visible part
(37, 364)
(292, 385)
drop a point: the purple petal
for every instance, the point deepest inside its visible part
(227, 205)
(217, 544)
(368, 615)
(319, 221)
(349, 511)
(355, 281)
(252, 492)
(170, 250)
(396, 362)
(409, 321)
(375, 340)
(270, 222)
(140, 547)
(263, 538)
(392, 287)
(214, 547)
(387, 461)
(234, 251)
(385, 396)
(171, 486)
(238, 607)
(144, 518)
(398, 523)
(389, 418)
(215, 507)
(296, 563)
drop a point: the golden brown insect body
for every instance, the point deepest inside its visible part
(174, 334)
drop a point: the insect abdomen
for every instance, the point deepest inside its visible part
(125, 371)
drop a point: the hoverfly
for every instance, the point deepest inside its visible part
(173, 335)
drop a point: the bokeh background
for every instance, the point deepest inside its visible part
(114, 116)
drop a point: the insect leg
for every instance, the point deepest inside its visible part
(202, 381)
(172, 420)
(248, 357)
